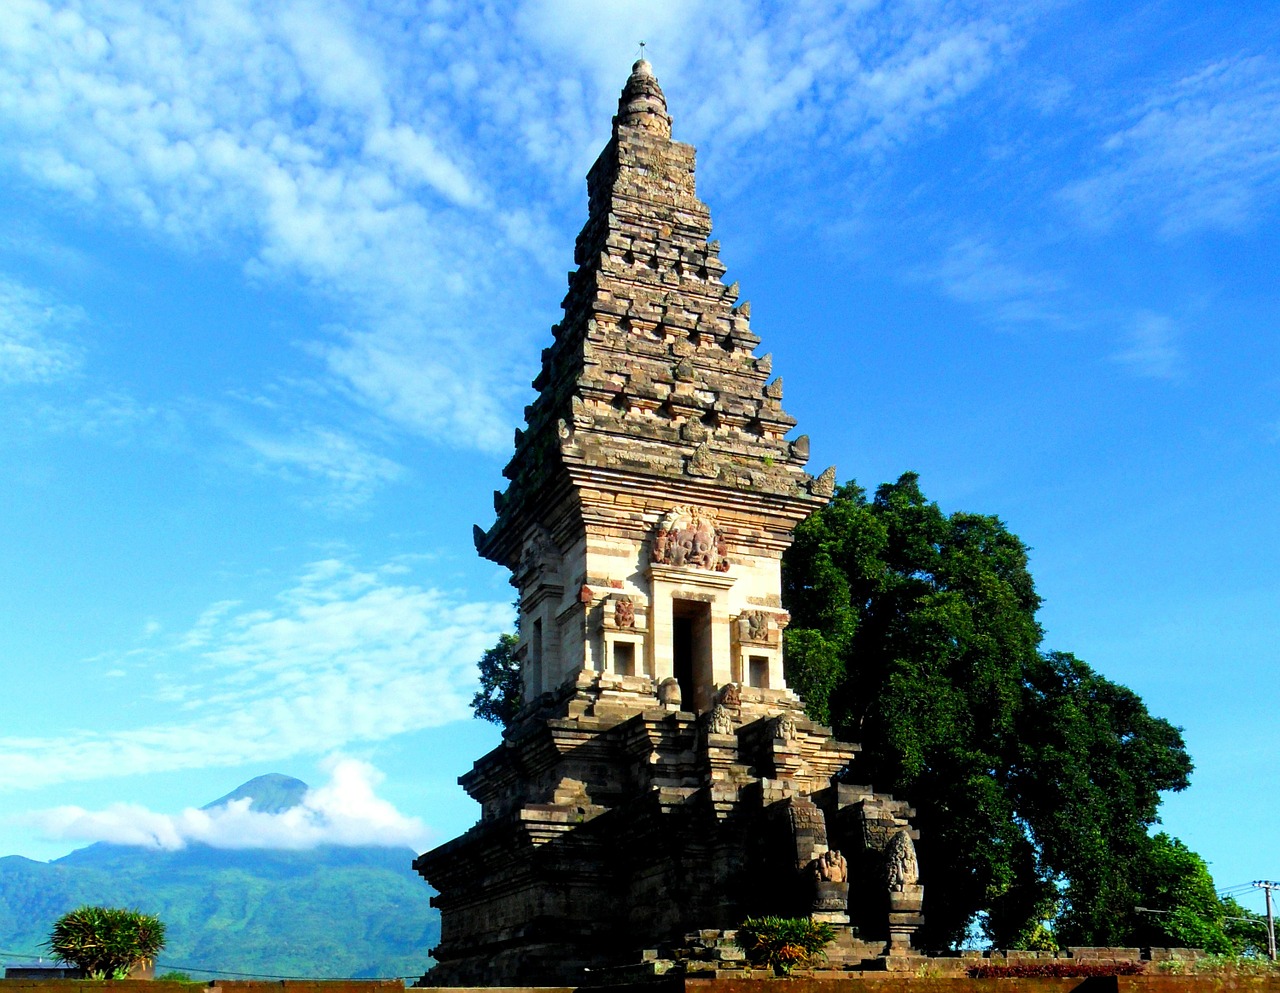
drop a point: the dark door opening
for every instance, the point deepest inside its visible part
(691, 653)
(682, 657)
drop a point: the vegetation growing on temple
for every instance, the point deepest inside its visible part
(784, 943)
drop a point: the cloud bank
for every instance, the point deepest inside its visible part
(345, 655)
(344, 811)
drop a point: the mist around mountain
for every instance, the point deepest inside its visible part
(327, 912)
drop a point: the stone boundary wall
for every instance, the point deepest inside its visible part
(888, 983)
(220, 985)
(1207, 982)
(716, 955)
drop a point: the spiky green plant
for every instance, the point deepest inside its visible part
(106, 942)
(783, 943)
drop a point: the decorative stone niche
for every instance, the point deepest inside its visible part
(623, 631)
(757, 649)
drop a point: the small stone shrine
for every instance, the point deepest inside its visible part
(660, 779)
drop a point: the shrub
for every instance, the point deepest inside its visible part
(784, 942)
(1032, 970)
(106, 942)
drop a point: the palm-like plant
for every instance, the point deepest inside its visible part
(784, 942)
(106, 942)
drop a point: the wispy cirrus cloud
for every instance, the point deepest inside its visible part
(33, 336)
(417, 171)
(1150, 347)
(348, 471)
(343, 655)
(1009, 292)
(975, 271)
(344, 811)
(1203, 152)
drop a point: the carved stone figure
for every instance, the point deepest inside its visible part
(624, 612)
(730, 695)
(831, 867)
(669, 691)
(901, 868)
(701, 463)
(721, 721)
(784, 727)
(687, 537)
(753, 625)
(540, 552)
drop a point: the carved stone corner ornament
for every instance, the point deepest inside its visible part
(540, 552)
(721, 720)
(669, 692)
(784, 727)
(825, 484)
(689, 537)
(730, 695)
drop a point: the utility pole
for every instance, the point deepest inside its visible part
(1267, 885)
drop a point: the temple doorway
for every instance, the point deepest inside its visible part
(691, 653)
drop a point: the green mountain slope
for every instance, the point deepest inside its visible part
(326, 912)
(269, 794)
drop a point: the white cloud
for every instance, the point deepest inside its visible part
(33, 348)
(1203, 152)
(348, 471)
(344, 655)
(344, 811)
(1151, 347)
(116, 416)
(418, 170)
(1008, 292)
(974, 271)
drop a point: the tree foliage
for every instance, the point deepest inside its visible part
(106, 942)
(499, 697)
(1181, 908)
(1036, 779)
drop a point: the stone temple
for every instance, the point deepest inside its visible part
(661, 780)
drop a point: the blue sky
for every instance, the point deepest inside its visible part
(274, 278)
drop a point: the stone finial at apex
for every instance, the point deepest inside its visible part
(643, 104)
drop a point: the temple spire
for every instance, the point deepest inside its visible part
(643, 104)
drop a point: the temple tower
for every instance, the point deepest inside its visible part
(653, 491)
(660, 778)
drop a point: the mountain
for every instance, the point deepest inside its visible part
(328, 912)
(269, 794)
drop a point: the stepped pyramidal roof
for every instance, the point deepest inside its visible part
(653, 369)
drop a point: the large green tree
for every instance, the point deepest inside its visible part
(1036, 780)
(499, 696)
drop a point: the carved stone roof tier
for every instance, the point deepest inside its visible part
(652, 375)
